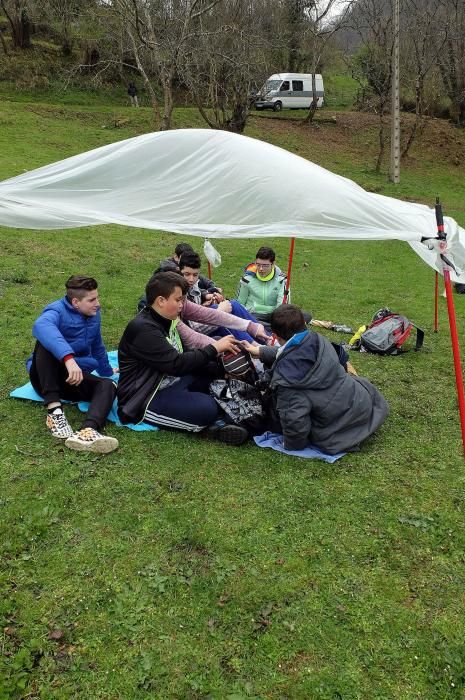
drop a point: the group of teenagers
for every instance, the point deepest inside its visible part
(174, 349)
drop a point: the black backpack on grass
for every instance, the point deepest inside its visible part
(388, 332)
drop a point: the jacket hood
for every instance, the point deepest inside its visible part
(300, 364)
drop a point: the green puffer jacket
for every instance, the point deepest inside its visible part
(261, 298)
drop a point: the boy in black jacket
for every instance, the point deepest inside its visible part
(314, 399)
(160, 383)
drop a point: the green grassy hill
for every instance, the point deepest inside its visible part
(180, 568)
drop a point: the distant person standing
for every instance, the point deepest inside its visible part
(132, 92)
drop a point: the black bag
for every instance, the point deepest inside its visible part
(388, 332)
(241, 402)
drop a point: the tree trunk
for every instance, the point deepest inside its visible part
(461, 113)
(168, 104)
(2, 39)
(381, 140)
(418, 115)
(313, 107)
(20, 28)
(238, 119)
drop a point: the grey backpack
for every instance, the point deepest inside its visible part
(388, 332)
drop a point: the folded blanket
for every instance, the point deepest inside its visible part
(28, 392)
(276, 442)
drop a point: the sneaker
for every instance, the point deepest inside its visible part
(58, 424)
(89, 440)
(228, 433)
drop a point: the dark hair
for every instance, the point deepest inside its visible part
(265, 253)
(167, 266)
(183, 248)
(77, 286)
(163, 284)
(190, 260)
(286, 320)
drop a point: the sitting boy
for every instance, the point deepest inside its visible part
(314, 399)
(189, 267)
(69, 347)
(262, 286)
(172, 263)
(162, 384)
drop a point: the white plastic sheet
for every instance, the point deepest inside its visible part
(210, 183)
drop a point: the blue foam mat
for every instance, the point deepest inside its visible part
(28, 393)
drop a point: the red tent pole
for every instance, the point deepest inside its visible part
(209, 269)
(455, 351)
(289, 271)
(436, 294)
(452, 320)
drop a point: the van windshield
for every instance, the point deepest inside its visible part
(272, 85)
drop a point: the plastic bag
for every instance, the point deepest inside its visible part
(212, 255)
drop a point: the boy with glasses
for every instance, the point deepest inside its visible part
(262, 286)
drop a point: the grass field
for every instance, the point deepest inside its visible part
(180, 568)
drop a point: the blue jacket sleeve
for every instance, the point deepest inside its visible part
(47, 332)
(99, 352)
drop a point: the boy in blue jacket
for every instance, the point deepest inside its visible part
(69, 347)
(314, 399)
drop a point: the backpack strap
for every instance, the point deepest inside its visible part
(420, 337)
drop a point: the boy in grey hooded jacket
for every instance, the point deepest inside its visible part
(314, 399)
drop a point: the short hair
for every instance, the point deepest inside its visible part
(78, 286)
(286, 320)
(163, 284)
(167, 266)
(190, 260)
(265, 253)
(183, 248)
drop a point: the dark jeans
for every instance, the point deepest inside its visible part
(185, 405)
(48, 377)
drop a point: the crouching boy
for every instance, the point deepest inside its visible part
(160, 382)
(69, 347)
(314, 399)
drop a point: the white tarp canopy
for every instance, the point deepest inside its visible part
(210, 183)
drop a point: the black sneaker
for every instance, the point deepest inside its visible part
(228, 433)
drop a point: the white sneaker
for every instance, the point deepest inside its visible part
(89, 440)
(58, 424)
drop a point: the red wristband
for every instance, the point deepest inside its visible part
(68, 357)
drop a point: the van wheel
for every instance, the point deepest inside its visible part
(277, 107)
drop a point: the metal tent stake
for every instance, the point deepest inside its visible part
(446, 264)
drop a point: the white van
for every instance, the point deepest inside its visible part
(289, 91)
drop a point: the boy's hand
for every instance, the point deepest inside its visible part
(74, 372)
(217, 297)
(225, 306)
(254, 350)
(261, 333)
(207, 300)
(227, 344)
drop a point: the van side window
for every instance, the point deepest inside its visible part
(285, 86)
(298, 85)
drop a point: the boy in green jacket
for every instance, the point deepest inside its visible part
(262, 285)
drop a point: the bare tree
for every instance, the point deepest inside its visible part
(371, 66)
(451, 56)
(421, 46)
(224, 59)
(17, 14)
(323, 18)
(159, 31)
